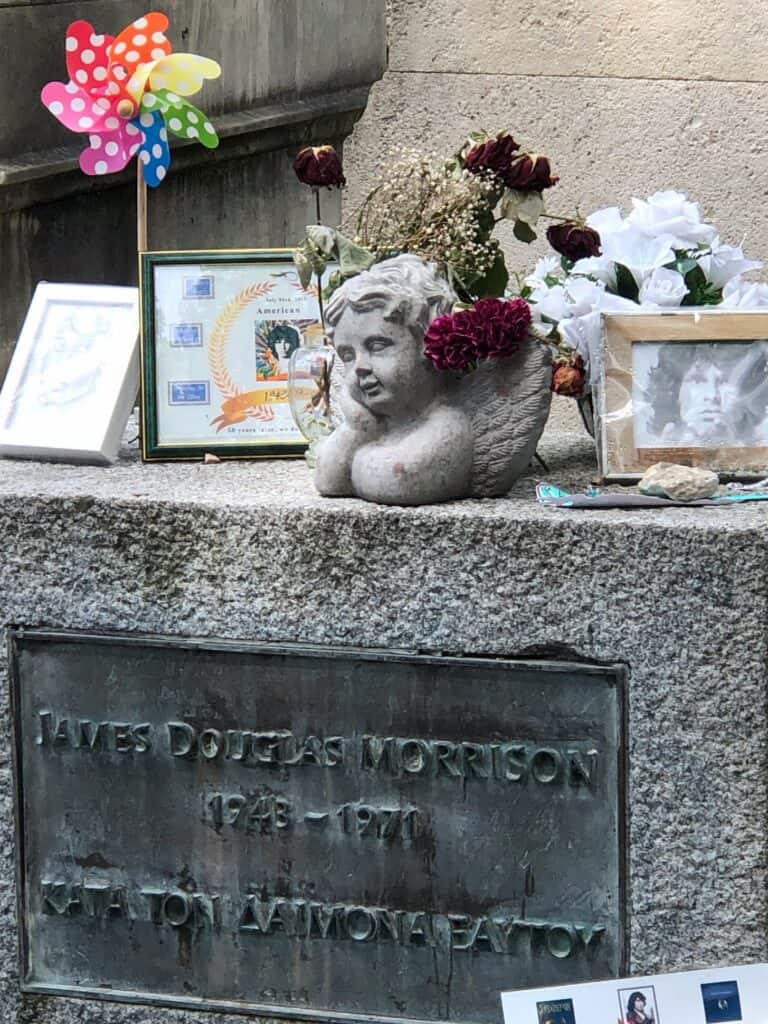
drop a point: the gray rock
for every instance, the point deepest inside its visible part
(412, 434)
(683, 483)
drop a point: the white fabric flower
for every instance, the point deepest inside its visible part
(666, 288)
(640, 253)
(550, 302)
(547, 266)
(583, 295)
(740, 294)
(725, 263)
(607, 221)
(583, 333)
(597, 266)
(671, 213)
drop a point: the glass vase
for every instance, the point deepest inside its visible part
(309, 393)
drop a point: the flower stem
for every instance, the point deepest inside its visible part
(319, 275)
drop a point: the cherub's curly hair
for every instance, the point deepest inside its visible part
(407, 290)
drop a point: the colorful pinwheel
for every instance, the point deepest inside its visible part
(127, 92)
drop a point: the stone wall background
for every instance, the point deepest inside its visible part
(624, 98)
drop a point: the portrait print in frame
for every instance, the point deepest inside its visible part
(218, 332)
(689, 387)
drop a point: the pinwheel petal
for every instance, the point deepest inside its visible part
(135, 52)
(183, 73)
(87, 56)
(186, 120)
(155, 154)
(74, 108)
(111, 151)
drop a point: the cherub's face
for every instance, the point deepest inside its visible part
(384, 366)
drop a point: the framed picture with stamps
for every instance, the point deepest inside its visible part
(688, 386)
(74, 375)
(218, 331)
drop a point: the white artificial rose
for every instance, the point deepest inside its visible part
(665, 288)
(740, 294)
(583, 295)
(599, 267)
(724, 263)
(549, 302)
(671, 213)
(607, 221)
(639, 253)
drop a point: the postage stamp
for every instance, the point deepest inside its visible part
(187, 335)
(199, 287)
(189, 392)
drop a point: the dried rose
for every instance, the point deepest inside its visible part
(492, 329)
(569, 378)
(574, 240)
(492, 156)
(530, 171)
(319, 166)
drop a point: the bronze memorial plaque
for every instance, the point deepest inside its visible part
(311, 832)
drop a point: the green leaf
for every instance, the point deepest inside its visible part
(524, 232)
(495, 281)
(626, 285)
(353, 258)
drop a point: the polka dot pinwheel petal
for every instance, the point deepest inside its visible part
(135, 52)
(110, 151)
(155, 153)
(74, 108)
(183, 73)
(87, 56)
(186, 120)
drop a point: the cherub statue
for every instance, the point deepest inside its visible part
(413, 434)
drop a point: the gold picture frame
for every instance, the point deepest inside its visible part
(688, 386)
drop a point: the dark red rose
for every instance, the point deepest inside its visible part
(319, 166)
(569, 379)
(573, 240)
(492, 329)
(492, 156)
(530, 172)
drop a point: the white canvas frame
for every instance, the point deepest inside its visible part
(74, 375)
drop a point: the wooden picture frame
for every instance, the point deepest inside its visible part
(217, 331)
(74, 375)
(683, 386)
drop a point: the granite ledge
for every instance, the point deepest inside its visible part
(286, 483)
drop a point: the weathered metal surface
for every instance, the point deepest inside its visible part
(312, 832)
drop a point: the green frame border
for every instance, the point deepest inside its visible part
(151, 448)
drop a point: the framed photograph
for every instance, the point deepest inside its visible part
(218, 331)
(637, 1005)
(74, 375)
(689, 387)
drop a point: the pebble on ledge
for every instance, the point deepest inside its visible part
(682, 483)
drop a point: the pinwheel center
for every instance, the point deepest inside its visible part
(126, 108)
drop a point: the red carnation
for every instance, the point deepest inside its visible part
(319, 166)
(492, 329)
(493, 156)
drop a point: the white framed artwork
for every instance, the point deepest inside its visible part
(74, 375)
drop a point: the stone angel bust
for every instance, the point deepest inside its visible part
(414, 434)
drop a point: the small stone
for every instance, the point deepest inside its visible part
(681, 483)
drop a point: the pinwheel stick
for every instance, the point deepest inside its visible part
(141, 208)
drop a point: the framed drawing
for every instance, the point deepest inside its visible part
(218, 331)
(688, 386)
(74, 375)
